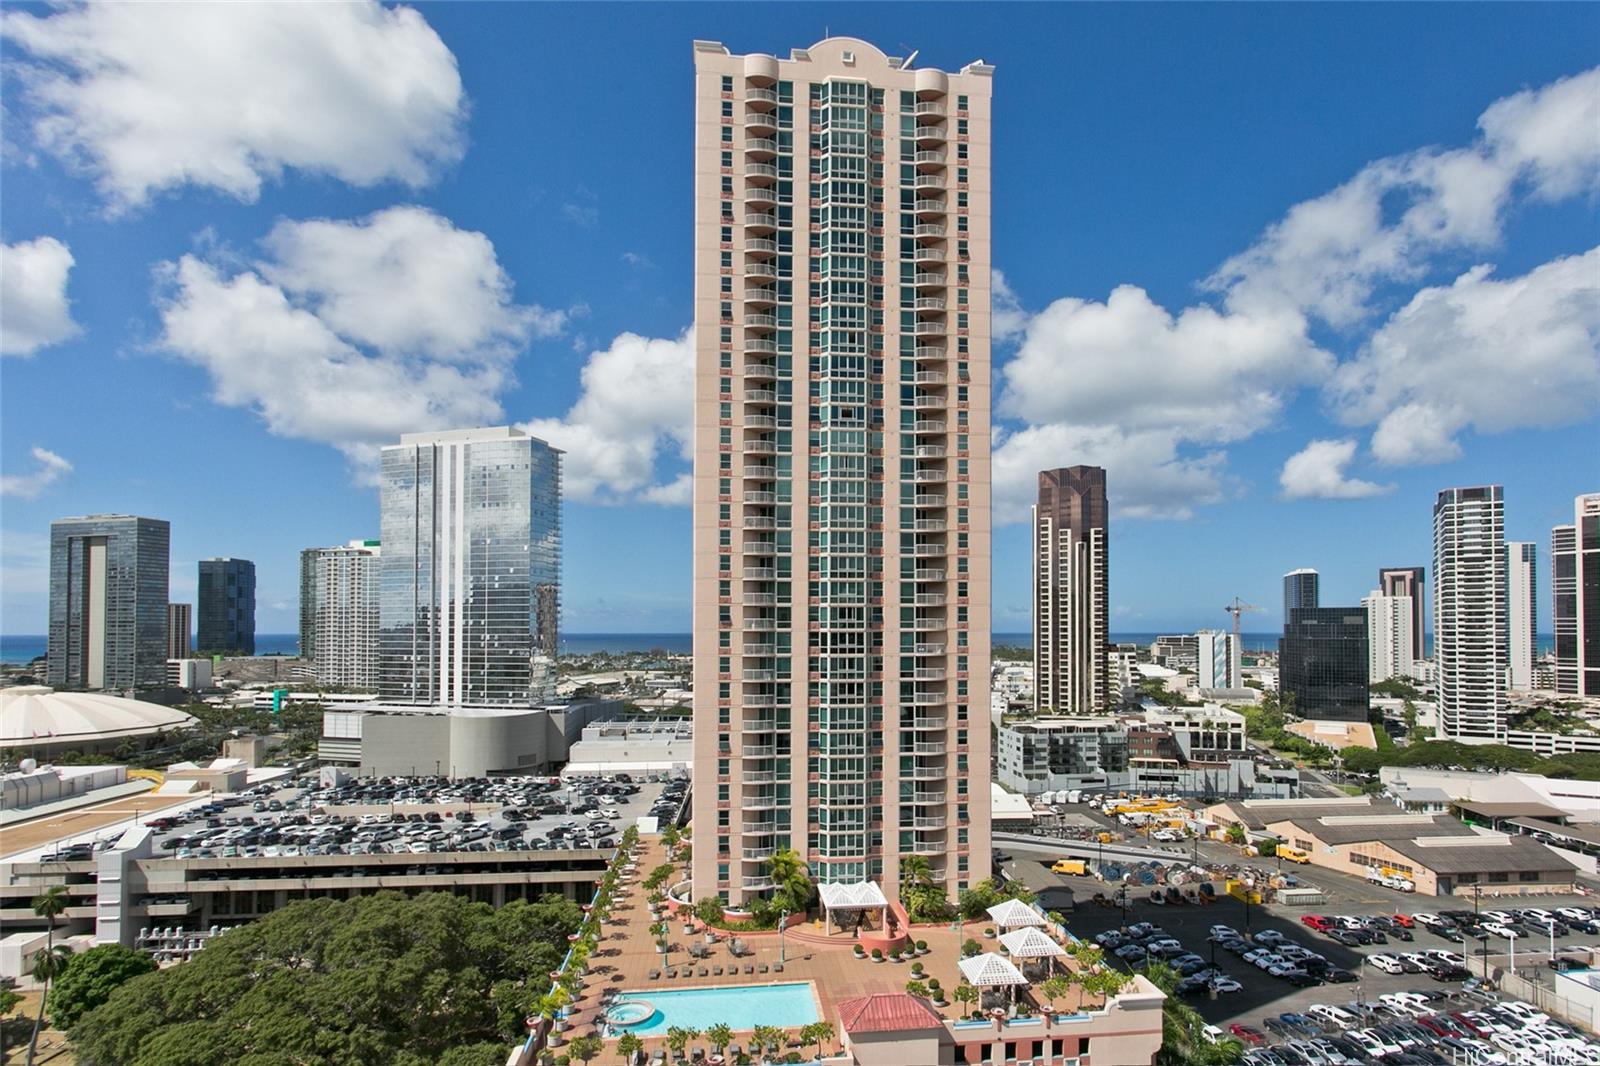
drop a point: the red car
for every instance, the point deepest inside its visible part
(1249, 1034)
(1405, 920)
(1317, 922)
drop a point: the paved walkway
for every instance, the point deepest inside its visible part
(625, 956)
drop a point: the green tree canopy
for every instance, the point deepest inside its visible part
(89, 978)
(381, 978)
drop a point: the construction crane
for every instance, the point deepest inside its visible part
(1236, 649)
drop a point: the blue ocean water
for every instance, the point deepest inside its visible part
(20, 649)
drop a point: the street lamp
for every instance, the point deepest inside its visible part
(783, 921)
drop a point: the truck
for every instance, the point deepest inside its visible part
(1070, 866)
(1292, 854)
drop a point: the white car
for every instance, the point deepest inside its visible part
(1222, 932)
(1502, 917)
(1336, 1016)
(1214, 1034)
(1427, 919)
(1387, 963)
(1374, 1045)
(1449, 958)
(1500, 930)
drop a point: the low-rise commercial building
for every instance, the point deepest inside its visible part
(638, 747)
(1198, 751)
(384, 740)
(1370, 838)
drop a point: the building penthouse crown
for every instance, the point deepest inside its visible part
(853, 52)
(465, 436)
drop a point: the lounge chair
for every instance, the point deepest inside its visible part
(672, 973)
(716, 971)
(777, 967)
(749, 969)
(763, 967)
(654, 975)
(703, 971)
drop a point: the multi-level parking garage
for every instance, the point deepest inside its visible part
(232, 858)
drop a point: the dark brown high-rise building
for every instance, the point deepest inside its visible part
(1408, 581)
(1071, 606)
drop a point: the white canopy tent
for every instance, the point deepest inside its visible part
(992, 971)
(1014, 913)
(863, 895)
(1029, 944)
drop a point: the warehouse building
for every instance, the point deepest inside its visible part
(1368, 838)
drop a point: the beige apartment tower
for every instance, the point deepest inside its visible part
(841, 467)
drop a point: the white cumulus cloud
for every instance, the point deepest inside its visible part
(1317, 472)
(50, 468)
(636, 405)
(1148, 472)
(34, 310)
(1482, 353)
(304, 337)
(150, 97)
(1327, 255)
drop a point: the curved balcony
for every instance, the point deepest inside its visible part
(928, 279)
(755, 195)
(760, 270)
(929, 500)
(928, 303)
(760, 344)
(764, 120)
(921, 159)
(760, 447)
(929, 599)
(761, 296)
(766, 396)
(757, 884)
(761, 371)
(763, 676)
(758, 320)
(929, 207)
(760, 471)
(760, 246)
(757, 521)
(930, 352)
(929, 229)
(928, 329)
(758, 699)
(928, 425)
(759, 599)
(927, 179)
(757, 95)
(925, 401)
(925, 254)
(925, 135)
(928, 747)
(930, 673)
(933, 575)
(929, 525)
(765, 221)
(759, 649)
(929, 109)
(928, 377)
(757, 854)
(766, 148)
(920, 773)
(760, 172)
(758, 422)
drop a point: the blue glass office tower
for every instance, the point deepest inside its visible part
(108, 602)
(227, 606)
(470, 578)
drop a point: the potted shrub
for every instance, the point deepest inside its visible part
(988, 934)
(935, 992)
(877, 954)
(860, 952)
(916, 969)
(894, 954)
(922, 947)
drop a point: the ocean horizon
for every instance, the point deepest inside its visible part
(21, 649)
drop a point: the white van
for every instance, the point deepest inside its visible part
(1335, 1016)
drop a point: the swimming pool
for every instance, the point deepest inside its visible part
(742, 1007)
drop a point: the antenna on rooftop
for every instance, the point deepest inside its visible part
(912, 58)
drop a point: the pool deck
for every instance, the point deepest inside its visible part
(626, 954)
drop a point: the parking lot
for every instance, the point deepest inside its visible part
(1261, 997)
(405, 815)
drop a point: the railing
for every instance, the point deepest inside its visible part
(761, 244)
(767, 144)
(760, 396)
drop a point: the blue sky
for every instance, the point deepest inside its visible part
(280, 257)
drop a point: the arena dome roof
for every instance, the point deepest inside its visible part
(32, 715)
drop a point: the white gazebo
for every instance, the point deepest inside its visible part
(992, 971)
(861, 896)
(1013, 914)
(1029, 944)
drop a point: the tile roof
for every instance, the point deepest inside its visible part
(1483, 855)
(887, 1012)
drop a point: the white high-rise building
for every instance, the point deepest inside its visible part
(1218, 659)
(339, 613)
(841, 468)
(1521, 611)
(1390, 652)
(1470, 628)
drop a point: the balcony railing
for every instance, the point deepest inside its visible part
(760, 396)
(761, 296)
(927, 107)
(928, 425)
(770, 147)
(929, 207)
(761, 170)
(762, 219)
(762, 321)
(929, 229)
(928, 303)
(760, 344)
(929, 133)
(760, 371)
(763, 245)
(928, 377)
(922, 158)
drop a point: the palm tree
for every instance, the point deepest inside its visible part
(678, 1038)
(965, 994)
(720, 1036)
(585, 1047)
(628, 1046)
(915, 870)
(791, 881)
(47, 966)
(821, 1033)
(766, 1036)
(48, 905)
